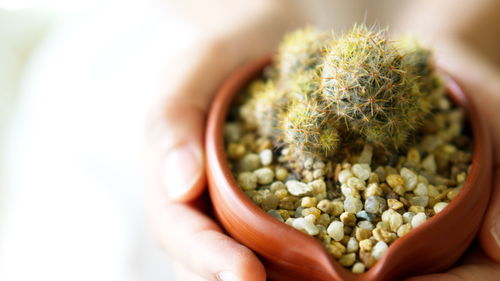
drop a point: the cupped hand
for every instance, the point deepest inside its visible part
(230, 34)
(481, 82)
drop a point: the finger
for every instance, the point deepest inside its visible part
(476, 266)
(195, 241)
(183, 274)
(482, 83)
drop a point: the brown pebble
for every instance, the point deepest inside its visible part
(362, 233)
(348, 218)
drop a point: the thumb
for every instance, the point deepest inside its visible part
(482, 82)
(176, 128)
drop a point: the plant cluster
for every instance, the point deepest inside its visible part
(327, 90)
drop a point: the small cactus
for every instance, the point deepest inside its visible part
(306, 128)
(301, 51)
(367, 85)
(263, 108)
(358, 87)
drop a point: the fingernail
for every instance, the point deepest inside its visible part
(227, 276)
(182, 170)
(495, 231)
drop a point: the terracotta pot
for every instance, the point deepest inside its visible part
(291, 255)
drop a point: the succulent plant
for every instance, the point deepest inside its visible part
(325, 90)
(301, 51)
(367, 85)
(307, 128)
(263, 107)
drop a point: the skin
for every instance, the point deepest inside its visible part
(177, 201)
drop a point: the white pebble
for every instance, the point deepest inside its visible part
(344, 175)
(352, 245)
(379, 249)
(266, 157)
(410, 178)
(352, 204)
(421, 190)
(438, 207)
(264, 175)
(362, 171)
(306, 224)
(395, 221)
(348, 191)
(419, 201)
(408, 216)
(354, 182)
(336, 230)
(429, 164)
(298, 188)
(365, 225)
(247, 180)
(418, 219)
(358, 268)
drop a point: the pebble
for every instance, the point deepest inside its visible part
(352, 245)
(336, 249)
(394, 204)
(249, 162)
(375, 204)
(438, 207)
(429, 164)
(347, 259)
(298, 188)
(276, 215)
(356, 183)
(373, 189)
(358, 268)
(395, 180)
(264, 175)
(348, 218)
(281, 173)
(421, 190)
(247, 180)
(362, 234)
(361, 171)
(365, 225)
(421, 201)
(344, 175)
(336, 230)
(395, 220)
(352, 204)
(306, 224)
(379, 250)
(269, 202)
(418, 219)
(409, 177)
(403, 229)
(366, 245)
(308, 202)
(364, 215)
(266, 157)
(318, 187)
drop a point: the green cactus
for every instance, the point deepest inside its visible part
(301, 51)
(360, 85)
(367, 85)
(263, 108)
(307, 128)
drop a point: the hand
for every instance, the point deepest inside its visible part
(231, 33)
(482, 84)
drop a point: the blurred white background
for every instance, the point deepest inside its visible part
(76, 81)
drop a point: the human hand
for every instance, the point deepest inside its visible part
(231, 33)
(481, 82)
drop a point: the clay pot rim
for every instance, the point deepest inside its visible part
(217, 163)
